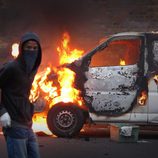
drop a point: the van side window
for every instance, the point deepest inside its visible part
(118, 52)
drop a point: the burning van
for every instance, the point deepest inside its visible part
(115, 82)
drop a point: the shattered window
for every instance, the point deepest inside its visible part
(118, 52)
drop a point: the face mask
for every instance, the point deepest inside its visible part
(30, 59)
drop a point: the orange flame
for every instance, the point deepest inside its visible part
(40, 124)
(40, 83)
(143, 98)
(15, 50)
(122, 62)
(68, 93)
(65, 53)
(66, 77)
(53, 94)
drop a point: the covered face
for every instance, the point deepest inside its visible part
(30, 52)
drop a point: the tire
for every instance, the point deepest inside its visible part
(65, 120)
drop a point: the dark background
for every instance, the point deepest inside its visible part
(87, 21)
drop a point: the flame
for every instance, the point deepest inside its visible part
(45, 89)
(65, 53)
(122, 62)
(52, 93)
(68, 93)
(15, 50)
(143, 98)
(40, 83)
(40, 124)
(66, 77)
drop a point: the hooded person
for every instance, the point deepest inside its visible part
(16, 111)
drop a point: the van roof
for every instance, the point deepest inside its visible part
(128, 34)
(133, 33)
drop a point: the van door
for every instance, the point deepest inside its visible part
(112, 75)
(153, 100)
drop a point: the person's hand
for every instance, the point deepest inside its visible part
(5, 120)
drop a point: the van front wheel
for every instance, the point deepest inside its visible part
(65, 120)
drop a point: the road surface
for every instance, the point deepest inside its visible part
(93, 144)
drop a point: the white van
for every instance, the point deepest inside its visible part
(118, 83)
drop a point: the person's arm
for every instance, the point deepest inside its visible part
(5, 120)
(4, 75)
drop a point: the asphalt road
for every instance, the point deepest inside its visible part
(94, 144)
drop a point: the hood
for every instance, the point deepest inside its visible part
(26, 37)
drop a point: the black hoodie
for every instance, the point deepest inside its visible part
(15, 86)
